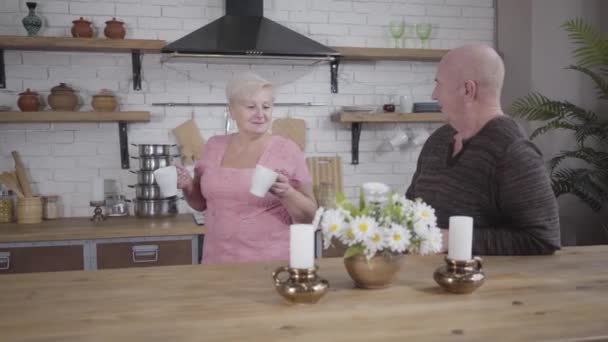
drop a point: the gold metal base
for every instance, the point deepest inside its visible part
(303, 286)
(460, 276)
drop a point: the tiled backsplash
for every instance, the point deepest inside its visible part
(62, 158)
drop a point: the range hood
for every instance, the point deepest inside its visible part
(243, 35)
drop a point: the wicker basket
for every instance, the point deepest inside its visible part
(29, 210)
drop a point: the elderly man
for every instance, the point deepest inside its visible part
(481, 165)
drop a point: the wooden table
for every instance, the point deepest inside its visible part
(544, 298)
(81, 228)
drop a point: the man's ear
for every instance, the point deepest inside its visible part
(470, 89)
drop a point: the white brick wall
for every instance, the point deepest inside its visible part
(62, 158)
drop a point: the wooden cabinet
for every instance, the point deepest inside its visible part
(143, 254)
(41, 259)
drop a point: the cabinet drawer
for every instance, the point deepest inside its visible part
(41, 259)
(143, 254)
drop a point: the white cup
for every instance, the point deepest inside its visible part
(262, 180)
(398, 139)
(405, 104)
(166, 178)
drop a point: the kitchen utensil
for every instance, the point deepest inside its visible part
(294, 129)
(166, 178)
(325, 170)
(190, 139)
(114, 29)
(144, 177)
(29, 210)
(104, 101)
(153, 163)
(146, 192)
(62, 98)
(117, 205)
(82, 28)
(154, 150)
(28, 101)
(21, 175)
(51, 207)
(155, 208)
(9, 179)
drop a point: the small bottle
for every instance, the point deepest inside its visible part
(51, 207)
(7, 206)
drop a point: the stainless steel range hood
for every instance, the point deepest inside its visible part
(243, 35)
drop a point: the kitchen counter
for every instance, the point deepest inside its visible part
(82, 228)
(532, 298)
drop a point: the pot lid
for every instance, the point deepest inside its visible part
(104, 92)
(81, 20)
(62, 88)
(28, 92)
(114, 21)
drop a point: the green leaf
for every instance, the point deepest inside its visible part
(600, 83)
(354, 250)
(593, 47)
(361, 199)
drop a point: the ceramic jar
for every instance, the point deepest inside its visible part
(104, 101)
(63, 97)
(32, 22)
(28, 101)
(114, 29)
(82, 29)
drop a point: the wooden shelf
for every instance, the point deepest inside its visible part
(24, 117)
(134, 46)
(350, 117)
(80, 44)
(366, 54)
(356, 119)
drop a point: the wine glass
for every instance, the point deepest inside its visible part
(396, 29)
(424, 32)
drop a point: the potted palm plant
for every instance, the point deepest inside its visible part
(589, 181)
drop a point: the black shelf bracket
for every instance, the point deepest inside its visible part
(2, 74)
(124, 144)
(334, 74)
(355, 135)
(136, 64)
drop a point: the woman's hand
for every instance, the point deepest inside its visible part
(184, 181)
(281, 186)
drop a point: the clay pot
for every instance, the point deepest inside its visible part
(82, 29)
(28, 101)
(104, 101)
(62, 97)
(114, 29)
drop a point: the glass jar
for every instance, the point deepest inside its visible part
(326, 195)
(7, 208)
(51, 207)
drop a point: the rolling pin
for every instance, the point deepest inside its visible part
(21, 175)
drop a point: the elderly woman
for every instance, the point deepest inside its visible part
(240, 226)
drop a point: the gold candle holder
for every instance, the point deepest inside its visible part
(303, 285)
(460, 276)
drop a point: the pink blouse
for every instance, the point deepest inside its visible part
(240, 226)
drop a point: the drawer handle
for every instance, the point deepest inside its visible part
(5, 261)
(145, 253)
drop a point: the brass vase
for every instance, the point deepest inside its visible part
(377, 273)
(460, 276)
(303, 286)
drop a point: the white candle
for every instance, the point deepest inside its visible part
(98, 193)
(302, 246)
(461, 238)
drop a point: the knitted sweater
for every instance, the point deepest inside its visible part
(500, 180)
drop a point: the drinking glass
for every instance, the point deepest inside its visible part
(396, 29)
(424, 32)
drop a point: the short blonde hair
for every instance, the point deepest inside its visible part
(244, 86)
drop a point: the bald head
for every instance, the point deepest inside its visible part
(479, 63)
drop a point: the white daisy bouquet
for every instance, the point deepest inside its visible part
(384, 222)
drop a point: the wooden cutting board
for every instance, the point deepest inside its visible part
(190, 140)
(294, 129)
(22, 175)
(325, 170)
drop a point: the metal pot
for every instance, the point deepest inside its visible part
(153, 163)
(144, 177)
(146, 191)
(149, 150)
(155, 208)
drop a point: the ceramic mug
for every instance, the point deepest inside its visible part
(262, 180)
